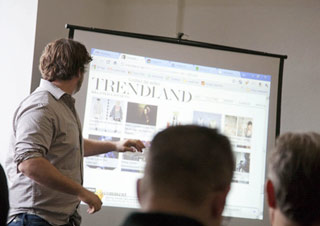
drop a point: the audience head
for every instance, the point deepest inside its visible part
(294, 180)
(4, 198)
(188, 171)
(63, 59)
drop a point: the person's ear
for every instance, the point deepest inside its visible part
(80, 71)
(218, 202)
(271, 194)
(139, 190)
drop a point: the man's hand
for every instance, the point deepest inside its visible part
(129, 145)
(91, 199)
(96, 147)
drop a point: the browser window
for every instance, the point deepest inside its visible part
(131, 96)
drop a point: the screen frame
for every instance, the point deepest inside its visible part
(180, 41)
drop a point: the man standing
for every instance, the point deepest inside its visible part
(294, 180)
(45, 160)
(186, 179)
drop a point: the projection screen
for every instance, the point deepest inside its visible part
(138, 84)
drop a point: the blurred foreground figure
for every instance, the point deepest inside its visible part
(294, 180)
(4, 198)
(187, 178)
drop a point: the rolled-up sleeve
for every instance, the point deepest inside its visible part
(34, 131)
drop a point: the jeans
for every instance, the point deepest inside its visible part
(25, 219)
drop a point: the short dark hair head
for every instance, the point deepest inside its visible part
(63, 59)
(187, 162)
(294, 169)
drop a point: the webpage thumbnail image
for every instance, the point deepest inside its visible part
(107, 115)
(107, 161)
(242, 167)
(238, 126)
(142, 114)
(207, 119)
(141, 120)
(134, 162)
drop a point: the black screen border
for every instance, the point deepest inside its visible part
(181, 41)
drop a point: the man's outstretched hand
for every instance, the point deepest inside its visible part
(131, 145)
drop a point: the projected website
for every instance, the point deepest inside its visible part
(133, 96)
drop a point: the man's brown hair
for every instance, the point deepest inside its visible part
(188, 162)
(63, 59)
(294, 169)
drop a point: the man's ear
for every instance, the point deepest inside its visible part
(271, 194)
(139, 190)
(79, 74)
(218, 203)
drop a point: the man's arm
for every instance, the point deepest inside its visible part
(94, 147)
(43, 172)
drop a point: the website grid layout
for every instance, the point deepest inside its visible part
(133, 96)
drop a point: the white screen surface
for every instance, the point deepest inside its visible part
(179, 85)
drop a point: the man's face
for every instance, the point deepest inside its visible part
(79, 84)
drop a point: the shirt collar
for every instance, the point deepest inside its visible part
(51, 88)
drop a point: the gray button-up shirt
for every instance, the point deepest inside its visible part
(45, 125)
